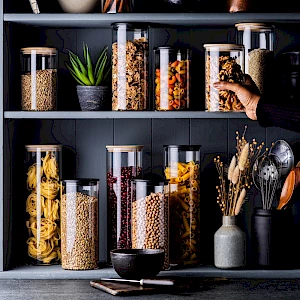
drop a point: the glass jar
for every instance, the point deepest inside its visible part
(43, 175)
(130, 67)
(39, 78)
(258, 40)
(149, 218)
(124, 163)
(79, 224)
(182, 170)
(172, 83)
(113, 6)
(223, 62)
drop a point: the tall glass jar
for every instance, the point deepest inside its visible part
(150, 218)
(172, 82)
(79, 224)
(182, 169)
(258, 40)
(223, 62)
(130, 67)
(39, 78)
(124, 163)
(43, 175)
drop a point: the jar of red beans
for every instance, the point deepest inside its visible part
(124, 163)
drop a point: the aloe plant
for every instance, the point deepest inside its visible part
(84, 72)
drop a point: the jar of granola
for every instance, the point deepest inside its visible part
(223, 62)
(129, 67)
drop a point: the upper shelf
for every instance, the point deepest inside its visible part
(153, 19)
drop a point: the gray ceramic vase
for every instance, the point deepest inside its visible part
(91, 97)
(229, 245)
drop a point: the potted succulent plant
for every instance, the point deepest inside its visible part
(92, 79)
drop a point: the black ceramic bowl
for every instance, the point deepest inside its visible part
(137, 263)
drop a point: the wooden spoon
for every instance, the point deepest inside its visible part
(287, 190)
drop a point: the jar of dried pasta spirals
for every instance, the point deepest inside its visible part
(39, 78)
(43, 175)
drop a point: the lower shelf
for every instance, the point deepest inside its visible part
(56, 272)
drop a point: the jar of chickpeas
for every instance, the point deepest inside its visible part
(182, 170)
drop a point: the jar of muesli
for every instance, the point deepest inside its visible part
(223, 62)
(130, 67)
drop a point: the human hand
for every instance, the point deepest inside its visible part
(247, 92)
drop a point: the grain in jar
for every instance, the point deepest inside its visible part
(43, 175)
(79, 224)
(223, 62)
(39, 78)
(130, 67)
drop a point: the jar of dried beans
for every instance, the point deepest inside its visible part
(79, 224)
(172, 82)
(43, 175)
(223, 62)
(182, 170)
(39, 78)
(150, 218)
(258, 40)
(124, 163)
(130, 67)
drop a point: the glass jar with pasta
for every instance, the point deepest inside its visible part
(43, 175)
(182, 170)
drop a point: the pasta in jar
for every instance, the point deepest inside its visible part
(43, 203)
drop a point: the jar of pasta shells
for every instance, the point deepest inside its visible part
(182, 170)
(150, 218)
(79, 224)
(130, 67)
(43, 175)
(223, 62)
(39, 78)
(172, 79)
(124, 163)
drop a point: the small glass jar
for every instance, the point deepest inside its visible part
(43, 175)
(182, 170)
(223, 62)
(113, 6)
(149, 218)
(124, 163)
(79, 224)
(130, 77)
(172, 82)
(39, 78)
(258, 40)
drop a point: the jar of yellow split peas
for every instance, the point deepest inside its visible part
(182, 170)
(172, 80)
(43, 175)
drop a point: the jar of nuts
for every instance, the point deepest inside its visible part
(43, 175)
(130, 67)
(172, 82)
(79, 224)
(182, 170)
(124, 163)
(223, 62)
(150, 218)
(39, 78)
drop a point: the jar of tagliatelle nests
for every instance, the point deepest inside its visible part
(39, 78)
(223, 62)
(43, 175)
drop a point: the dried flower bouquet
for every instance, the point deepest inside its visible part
(237, 176)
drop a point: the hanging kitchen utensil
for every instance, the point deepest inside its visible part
(287, 190)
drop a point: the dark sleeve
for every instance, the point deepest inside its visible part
(284, 113)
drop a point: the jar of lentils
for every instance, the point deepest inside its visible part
(172, 80)
(150, 218)
(130, 67)
(124, 163)
(79, 224)
(43, 175)
(223, 62)
(182, 170)
(39, 79)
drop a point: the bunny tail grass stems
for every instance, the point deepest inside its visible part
(231, 167)
(34, 6)
(240, 201)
